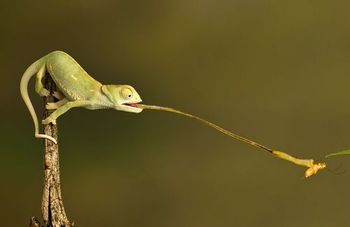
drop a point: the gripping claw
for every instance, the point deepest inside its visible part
(43, 136)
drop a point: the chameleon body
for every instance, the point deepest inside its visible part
(76, 88)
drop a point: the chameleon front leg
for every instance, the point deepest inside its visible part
(64, 108)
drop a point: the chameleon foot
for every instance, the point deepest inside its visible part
(48, 120)
(56, 105)
(43, 136)
(51, 106)
(44, 92)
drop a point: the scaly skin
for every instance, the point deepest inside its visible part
(76, 88)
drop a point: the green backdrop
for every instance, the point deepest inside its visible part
(275, 71)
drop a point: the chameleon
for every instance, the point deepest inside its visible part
(76, 88)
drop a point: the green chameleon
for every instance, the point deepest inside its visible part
(76, 88)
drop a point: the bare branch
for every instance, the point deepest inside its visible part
(52, 204)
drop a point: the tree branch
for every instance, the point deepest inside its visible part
(52, 204)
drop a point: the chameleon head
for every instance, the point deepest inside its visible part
(123, 97)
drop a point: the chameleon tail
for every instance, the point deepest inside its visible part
(28, 74)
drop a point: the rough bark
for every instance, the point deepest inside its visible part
(52, 208)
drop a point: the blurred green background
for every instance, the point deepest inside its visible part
(275, 71)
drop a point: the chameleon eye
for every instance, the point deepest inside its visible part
(126, 93)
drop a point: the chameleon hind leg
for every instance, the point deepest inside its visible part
(39, 87)
(64, 108)
(58, 95)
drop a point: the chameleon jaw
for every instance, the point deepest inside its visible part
(132, 107)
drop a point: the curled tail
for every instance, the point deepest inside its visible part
(28, 74)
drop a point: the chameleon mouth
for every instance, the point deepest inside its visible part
(132, 107)
(132, 104)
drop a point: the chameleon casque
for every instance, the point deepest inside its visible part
(76, 88)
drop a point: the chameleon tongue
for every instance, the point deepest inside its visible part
(133, 104)
(309, 163)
